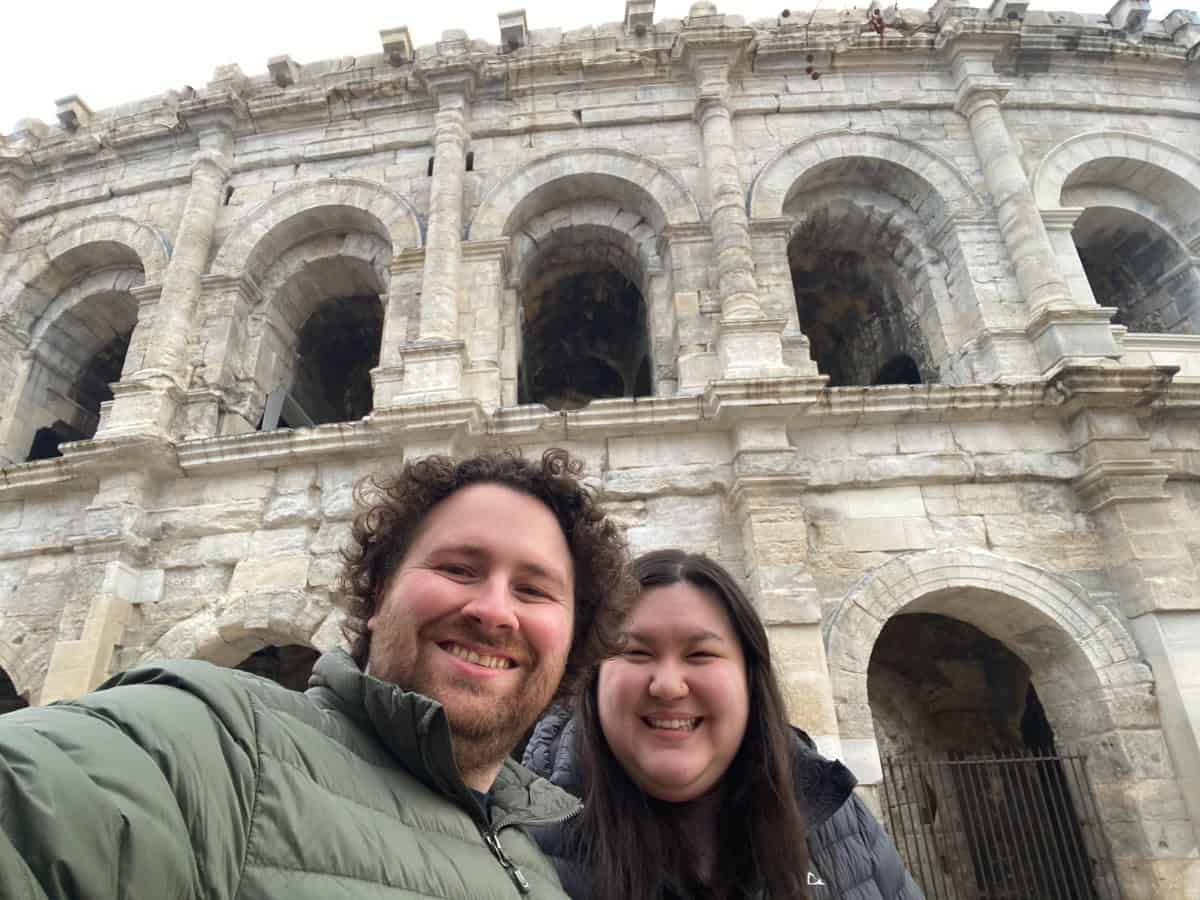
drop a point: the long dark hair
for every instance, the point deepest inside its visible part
(633, 843)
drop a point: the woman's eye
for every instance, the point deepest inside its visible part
(634, 653)
(455, 569)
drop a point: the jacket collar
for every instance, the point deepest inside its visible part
(415, 729)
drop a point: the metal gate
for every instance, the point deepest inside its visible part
(999, 828)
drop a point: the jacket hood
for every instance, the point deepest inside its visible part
(416, 730)
(822, 785)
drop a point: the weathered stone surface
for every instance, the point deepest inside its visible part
(935, 225)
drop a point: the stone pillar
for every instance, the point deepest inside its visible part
(1122, 488)
(432, 365)
(749, 341)
(484, 278)
(15, 173)
(109, 579)
(766, 501)
(438, 315)
(1062, 329)
(778, 297)
(404, 292)
(149, 401)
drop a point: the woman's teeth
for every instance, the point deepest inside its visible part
(673, 724)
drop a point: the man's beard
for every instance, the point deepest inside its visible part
(483, 732)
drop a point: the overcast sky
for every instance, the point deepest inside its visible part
(122, 50)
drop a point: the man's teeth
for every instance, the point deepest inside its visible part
(488, 662)
(674, 724)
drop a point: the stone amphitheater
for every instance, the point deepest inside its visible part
(895, 312)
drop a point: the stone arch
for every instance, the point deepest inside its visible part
(309, 209)
(16, 661)
(1097, 693)
(914, 582)
(638, 183)
(1147, 157)
(152, 247)
(775, 182)
(227, 635)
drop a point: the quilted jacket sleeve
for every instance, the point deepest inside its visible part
(857, 860)
(134, 792)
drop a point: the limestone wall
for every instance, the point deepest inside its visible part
(1040, 483)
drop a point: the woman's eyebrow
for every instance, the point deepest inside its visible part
(694, 636)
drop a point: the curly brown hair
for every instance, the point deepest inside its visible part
(393, 508)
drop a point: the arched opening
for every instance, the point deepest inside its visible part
(584, 328)
(289, 665)
(76, 356)
(866, 280)
(1134, 265)
(975, 787)
(327, 318)
(10, 700)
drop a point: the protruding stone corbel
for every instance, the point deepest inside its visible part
(1184, 28)
(514, 32)
(1129, 16)
(30, 132)
(284, 70)
(229, 77)
(73, 113)
(397, 45)
(639, 16)
(1009, 10)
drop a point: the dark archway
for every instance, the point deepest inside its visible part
(289, 665)
(82, 403)
(10, 700)
(1132, 264)
(944, 697)
(584, 330)
(338, 348)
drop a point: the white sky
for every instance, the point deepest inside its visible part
(122, 50)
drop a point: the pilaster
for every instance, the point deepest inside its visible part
(1061, 330)
(150, 397)
(749, 341)
(16, 171)
(1123, 489)
(766, 500)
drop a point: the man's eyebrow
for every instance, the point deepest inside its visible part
(476, 551)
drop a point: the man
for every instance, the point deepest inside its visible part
(478, 591)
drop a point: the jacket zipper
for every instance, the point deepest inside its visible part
(518, 877)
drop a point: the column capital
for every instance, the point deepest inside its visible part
(211, 161)
(975, 93)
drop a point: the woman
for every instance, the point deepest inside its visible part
(692, 781)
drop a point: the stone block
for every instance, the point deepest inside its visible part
(284, 70)
(397, 45)
(263, 576)
(513, 30)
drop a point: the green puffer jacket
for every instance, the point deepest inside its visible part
(189, 781)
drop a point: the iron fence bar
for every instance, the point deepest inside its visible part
(1054, 868)
(1104, 847)
(996, 871)
(889, 790)
(1049, 863)
(1055, 791)
(914, 825)
(972, 833)
(1011, 776)
(949, 800)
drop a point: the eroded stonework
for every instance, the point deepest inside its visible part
(888, 323)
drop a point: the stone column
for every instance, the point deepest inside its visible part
(1062, 329)
(15, 172)
(749, 341)
(438, 316)
(432, 364)
(149, 400)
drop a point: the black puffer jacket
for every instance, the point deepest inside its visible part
(852, 857)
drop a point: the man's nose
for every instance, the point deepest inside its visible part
(491, 604)
(668, 682)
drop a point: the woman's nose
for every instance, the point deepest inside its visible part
(667, 682)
